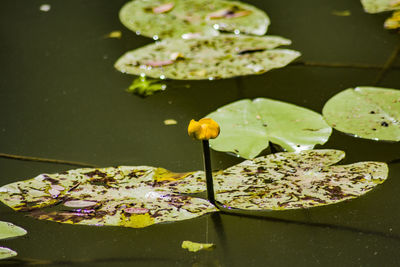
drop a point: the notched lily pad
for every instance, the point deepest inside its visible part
(376, 6)
(248, 126)
(192, 18)
(7, 253)
(124, 196)
(366, 112)
(291, 180)
(9, 230)
(223, 56)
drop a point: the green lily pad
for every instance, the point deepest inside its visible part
(8, 230)
(376, 6)
(124, 196)
(366, 112)
(7, 253)
(248, 126)
(187, 18)
(290, 180)
(223, 56)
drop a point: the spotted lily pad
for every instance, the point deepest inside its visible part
(376, 6)
(366, 112)
(7, 253)
(8, 230)
(124, 196)
(248, 126)
(192, 18)
(223, 56)
(290, 180)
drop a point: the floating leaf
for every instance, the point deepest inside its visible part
(184, 18)
(123, 196)
(367, 112)
(170, 122)
(8, 230)
(376, 6)
(194, 246)
(393, 22)
(291, 180)
(145, 87)
(248, 126)
(7, 253)
(223, 56)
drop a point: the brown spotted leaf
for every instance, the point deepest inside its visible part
(186, 18)
(219, 57)
(124, 196)
(290, 180)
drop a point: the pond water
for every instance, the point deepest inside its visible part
(61, 98)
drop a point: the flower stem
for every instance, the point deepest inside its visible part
(207, 169)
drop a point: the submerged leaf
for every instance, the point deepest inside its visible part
(194, 246)
(7, 253)
(143, 86)
(291, 180)
(123, 196)
(376, 6)
(341, 13)
(367, 112)
(248, 126)
(223, 56)
(114, 34)
(8, 230)
(181, 18)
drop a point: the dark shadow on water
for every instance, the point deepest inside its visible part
(255, 216)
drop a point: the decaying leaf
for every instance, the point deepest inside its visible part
(124, 196)
(366, 112)
(114, 34)
(393, 22)
(8, 230)
(186, 18)
(291, 180)
(248, 126)
(170, 122)
(376, 6)
(194, 246)
(223, 56)
(7, 253)
(143, 86)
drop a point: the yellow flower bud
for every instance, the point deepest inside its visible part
(203, 129)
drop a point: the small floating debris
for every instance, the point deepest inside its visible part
(114, 34)
(341, 13)
(194, 246)
(170, 122)
(45, 8)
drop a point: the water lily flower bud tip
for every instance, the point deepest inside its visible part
(203, 129)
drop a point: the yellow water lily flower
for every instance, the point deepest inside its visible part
(203, 129)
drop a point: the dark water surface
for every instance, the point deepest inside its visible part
(61, 98)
